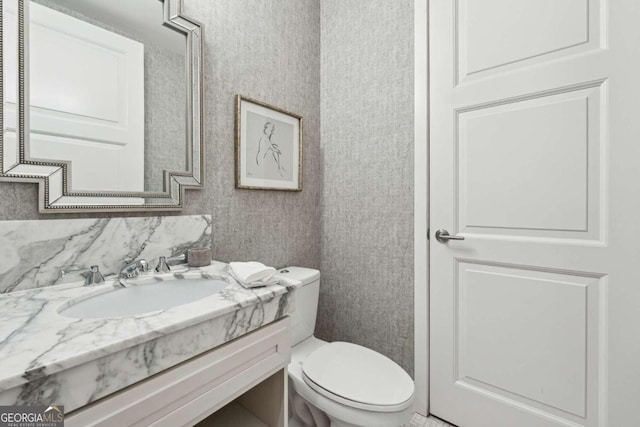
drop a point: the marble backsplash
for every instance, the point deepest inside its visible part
(34, 254)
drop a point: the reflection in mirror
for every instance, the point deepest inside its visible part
(101, 103)
(10, 83)
(108, 92)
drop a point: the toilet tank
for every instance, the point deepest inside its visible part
(305, 301)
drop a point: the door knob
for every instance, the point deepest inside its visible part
(443, 236)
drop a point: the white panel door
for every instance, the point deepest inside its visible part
(535, 162)
(86, 87)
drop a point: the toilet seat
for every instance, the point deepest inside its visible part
(358, 377)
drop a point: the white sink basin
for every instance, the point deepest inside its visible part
(144, 298)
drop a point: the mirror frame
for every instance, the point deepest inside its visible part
(54, 178)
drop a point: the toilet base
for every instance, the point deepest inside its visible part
(296, 422)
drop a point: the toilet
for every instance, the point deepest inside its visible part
(339, 384)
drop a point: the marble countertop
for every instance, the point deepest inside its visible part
(37, 343)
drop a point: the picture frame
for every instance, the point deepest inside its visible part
(268, 147)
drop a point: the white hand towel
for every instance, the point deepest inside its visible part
(252, 274)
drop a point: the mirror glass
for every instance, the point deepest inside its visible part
(101, 103)
(9, 71)
(107, 91)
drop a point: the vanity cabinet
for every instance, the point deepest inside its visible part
(244, 379)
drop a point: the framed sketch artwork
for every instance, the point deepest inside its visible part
(268, 147)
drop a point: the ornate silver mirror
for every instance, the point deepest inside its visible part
(101, 102)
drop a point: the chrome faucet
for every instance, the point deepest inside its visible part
(131, 269)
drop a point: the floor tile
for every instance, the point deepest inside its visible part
(421, 421)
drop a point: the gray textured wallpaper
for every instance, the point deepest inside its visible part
(165, 115)
(356, 207)
(268, 50)
(367, 153)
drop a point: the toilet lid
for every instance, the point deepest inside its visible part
(358, 377)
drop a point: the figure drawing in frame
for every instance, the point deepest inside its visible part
(268, 150)
(268, 147)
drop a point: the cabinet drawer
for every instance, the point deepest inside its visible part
(194, 389)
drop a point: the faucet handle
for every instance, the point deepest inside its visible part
(143, 265)
(93, 276)
(162, 266)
